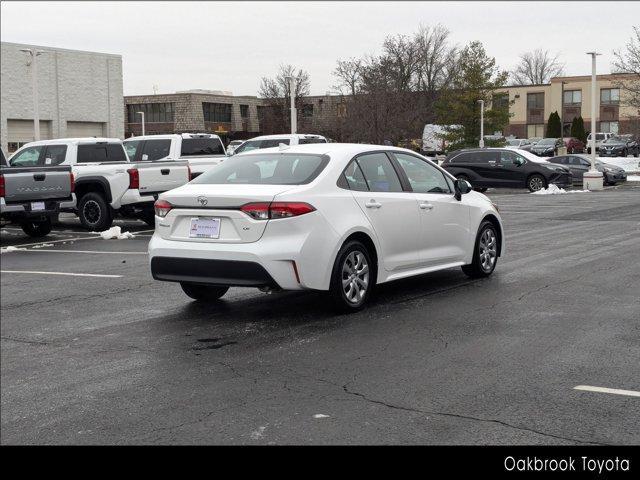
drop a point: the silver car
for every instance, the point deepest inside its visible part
(579, 164)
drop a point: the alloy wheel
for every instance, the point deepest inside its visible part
(536, 183)
(355, 277)
(488, 250)
(92, 212)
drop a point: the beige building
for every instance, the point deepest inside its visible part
(532, 105)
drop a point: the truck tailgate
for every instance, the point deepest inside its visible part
(36, 183)
(162, 175)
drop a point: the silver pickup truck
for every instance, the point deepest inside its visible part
(32, 196)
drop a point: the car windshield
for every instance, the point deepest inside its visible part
(547, 141)
(267, 169)
(615, 140)
(513, 143)
(249, 145)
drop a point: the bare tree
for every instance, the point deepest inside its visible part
(537, 67)
(627, 62)
(348, 73)
(275, 91)
(436, 57)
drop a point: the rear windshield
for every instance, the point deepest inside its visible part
(306, 140)
(201, 146)
(259, 144)
(101, 152)
(267, 169)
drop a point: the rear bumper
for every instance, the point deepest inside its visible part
(211, 272)
(23, 209)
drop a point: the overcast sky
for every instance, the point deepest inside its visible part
(231, 45)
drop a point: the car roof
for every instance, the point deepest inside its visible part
(329, 148)
(73, 141)
(171, 136)
(287, 135)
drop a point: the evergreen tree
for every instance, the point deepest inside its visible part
(554, 128)
(476, 78)
(577, 129)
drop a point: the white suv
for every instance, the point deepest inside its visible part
(600, 137)
(269, 141)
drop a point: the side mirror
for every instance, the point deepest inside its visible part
(519, 162)
(461, 187)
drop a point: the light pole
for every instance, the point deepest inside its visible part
(292, 95)
(33, 62)
(562, 84)
(481, 102)
(142, 115)
(593, 178)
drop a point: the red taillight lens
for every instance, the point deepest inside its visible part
(259, 211)
(72, 181)
(189, 177)
(275, 210)
(2, 186)
(289, 209)
(162, 207)
(134, 178)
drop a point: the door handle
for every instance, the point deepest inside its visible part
(372, 204)
(165, 171)
(426, 206)
(39, 177)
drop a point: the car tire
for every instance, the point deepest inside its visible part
(353, 278)
(485, 252)
(94, 212)
(203, 292)
(536, 182)
(625, 153)
(37, 229)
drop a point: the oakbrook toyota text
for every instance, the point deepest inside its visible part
(569, 464)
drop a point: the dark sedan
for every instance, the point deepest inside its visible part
(547, 147)
(619, 146)
(504, 167)
(579, 164)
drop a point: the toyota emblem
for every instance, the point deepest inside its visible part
(202, 201)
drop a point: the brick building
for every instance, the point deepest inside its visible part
(217, 112)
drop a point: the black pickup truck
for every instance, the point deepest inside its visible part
(32, 196)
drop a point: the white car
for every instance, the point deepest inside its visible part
(233, 144)
(270, 141)
(334, 217)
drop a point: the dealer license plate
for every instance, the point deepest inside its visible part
(205, 227)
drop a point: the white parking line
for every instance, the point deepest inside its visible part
(614, 391)
(62, 273)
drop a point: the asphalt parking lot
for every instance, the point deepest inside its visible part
(115, 357)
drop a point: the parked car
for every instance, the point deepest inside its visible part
(573, 145)
(600, 137)
(269, 141)
(579, 164)
(233, 144)
(547, 147)
(335, 217)
(32, 196)
(619, 146)
(106, 182)
(504, 168)
(535, 140)
(519, 143)
(202, 151)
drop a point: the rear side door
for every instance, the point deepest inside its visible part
(508, 171)
(444, 221)
(578, 166)
(392, 211)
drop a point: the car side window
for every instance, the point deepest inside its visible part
(131, 148)
(508, 158)
(355, 178)
(55, 154)
(27, 158)
(274, 143)
(379, 173)
(156, 149)
(423, 177)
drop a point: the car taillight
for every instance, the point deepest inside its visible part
(289, 209)
(72, 181)
(134, 178)
(259, 211)
(2, 186)
(275, 210)
(162, 207)
(189, 173)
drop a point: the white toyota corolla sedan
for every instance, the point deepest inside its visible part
(335, 217)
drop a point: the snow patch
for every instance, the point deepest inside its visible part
(259, 433)
(555, 190)
(628, 164)
(633, 178)
(11, 249)
(320, 415)
(43, 245)
(115, 232)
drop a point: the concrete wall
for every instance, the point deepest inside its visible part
(73, 86)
